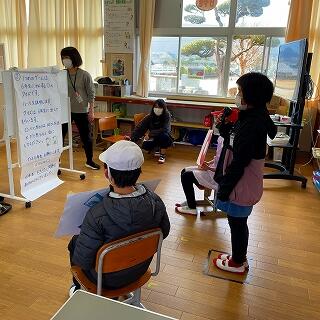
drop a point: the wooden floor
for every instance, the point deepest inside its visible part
(284, 252)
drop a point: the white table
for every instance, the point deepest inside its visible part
(87, 306)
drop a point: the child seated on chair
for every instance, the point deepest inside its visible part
(127, 208)
(159, 127)
(202, 177)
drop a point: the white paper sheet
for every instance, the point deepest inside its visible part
(119, 26)
(38, 178)
(77, 205)
(39, 129)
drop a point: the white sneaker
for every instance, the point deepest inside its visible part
(224, 265)
(186, 210)
(225, 256)
(162, 159)
(184, 203)
(72, 290)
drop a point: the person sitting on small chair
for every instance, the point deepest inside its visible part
(126, 209)
(202, 177)
(158, 125)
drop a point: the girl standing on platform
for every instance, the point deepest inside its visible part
(240, 178)
(158, 125)
(81, 93)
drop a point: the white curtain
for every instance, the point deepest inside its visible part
(13, 32)
(314, 45)
(146, 12)
(55, 24)
(308, 15)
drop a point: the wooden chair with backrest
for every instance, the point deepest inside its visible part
(108, 124)
(138, 117)
(122, 254)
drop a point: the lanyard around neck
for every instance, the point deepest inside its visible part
(75, 79)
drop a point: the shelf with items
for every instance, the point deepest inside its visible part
(316, 179)
(288, 125)
(189, 125)
(276, 145)
(316, 153)
(173, 124)
(187, 116)
(316, 156)
(281, 140)
(200, 105)
(286, 164)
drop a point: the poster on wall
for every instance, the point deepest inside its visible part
(119, 66)
(119, 26)
(38, 110)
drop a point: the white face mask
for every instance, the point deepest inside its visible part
(67, 63)
(238, 103)
(158, 111)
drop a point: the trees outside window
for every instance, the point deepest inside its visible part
(233, 38)
(205, 56)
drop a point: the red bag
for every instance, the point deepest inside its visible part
(207, 121)
(232, 118)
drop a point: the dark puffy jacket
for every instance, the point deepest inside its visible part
(115, 218)
(249, 143)
(154, 124)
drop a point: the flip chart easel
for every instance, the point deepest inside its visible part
(70, 148)
(11, 131)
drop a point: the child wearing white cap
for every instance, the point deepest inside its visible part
(127, 208)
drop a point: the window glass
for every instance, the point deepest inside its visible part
(262, 13)
(194, 17)
(272, 56)
(202, 65)
(246, 56)
(164, 64)
(193, 62)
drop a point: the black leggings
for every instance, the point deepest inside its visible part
(82, 122)
(239, 238)
(188, 180)
(162, 141)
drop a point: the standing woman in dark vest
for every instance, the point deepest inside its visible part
(81, 93)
